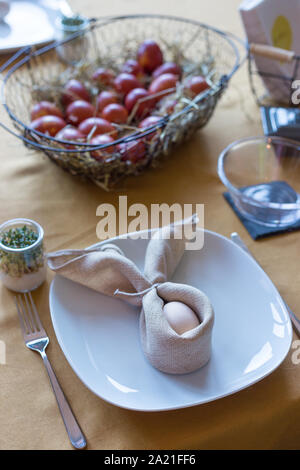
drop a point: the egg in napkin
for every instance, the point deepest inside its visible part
(106, 269)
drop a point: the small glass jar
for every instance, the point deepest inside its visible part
(22, 269)
(75, 50)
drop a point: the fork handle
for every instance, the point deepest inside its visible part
(74, 432)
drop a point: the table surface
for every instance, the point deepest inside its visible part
(264, 416)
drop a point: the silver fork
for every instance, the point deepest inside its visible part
(36, 339)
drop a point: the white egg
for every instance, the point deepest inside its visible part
(180, 317)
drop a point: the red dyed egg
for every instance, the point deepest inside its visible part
(132, 151)
(149, 122)
(197, 85)
(105, 98)
(49, 125)
(115, 112)
(78, 111)
(167, 67)
(104, 77)
(103, 139)
(98, 125)
(138, 95)
(149, 55)
(126, 82)
(133, 67)
(164, 83)
(74, 90)
(70, 133)
(45, 108)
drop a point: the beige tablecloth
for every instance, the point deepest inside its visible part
(266, 415)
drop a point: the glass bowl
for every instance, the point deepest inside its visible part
(262, 175)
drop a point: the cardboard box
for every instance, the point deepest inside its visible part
(276, 23)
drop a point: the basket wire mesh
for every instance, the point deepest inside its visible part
(109, 43)
(273, 74)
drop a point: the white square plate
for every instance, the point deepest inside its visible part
(99, 335)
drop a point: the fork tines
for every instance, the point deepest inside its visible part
(28, 315)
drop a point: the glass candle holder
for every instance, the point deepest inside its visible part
(75, 50)
(22, 269)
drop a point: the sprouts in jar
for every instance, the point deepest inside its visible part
(22, 262)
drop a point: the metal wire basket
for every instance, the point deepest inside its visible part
(273, 74)
(109, 42)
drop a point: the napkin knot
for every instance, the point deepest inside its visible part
(135, 294)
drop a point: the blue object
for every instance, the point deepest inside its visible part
(257, 230)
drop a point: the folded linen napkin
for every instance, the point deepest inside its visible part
(107, 270)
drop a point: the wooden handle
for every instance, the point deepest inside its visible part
(271, 52)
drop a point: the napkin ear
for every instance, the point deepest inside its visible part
(166, 248)
(104, 269)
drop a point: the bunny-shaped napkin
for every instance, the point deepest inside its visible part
(107, 270)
